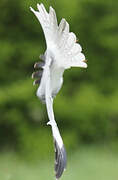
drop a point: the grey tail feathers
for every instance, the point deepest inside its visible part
(60, 159)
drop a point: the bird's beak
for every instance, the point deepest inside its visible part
(85, 61)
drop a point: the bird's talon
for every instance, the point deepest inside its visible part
(49, 123)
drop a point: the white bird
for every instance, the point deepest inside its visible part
(62, 52)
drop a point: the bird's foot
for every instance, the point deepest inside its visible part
(49, 123)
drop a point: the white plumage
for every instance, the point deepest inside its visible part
(62, 52)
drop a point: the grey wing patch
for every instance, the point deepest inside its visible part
(37, 82)
(38, 74)
(42, 57)
(39, 65)
(60, 159)
(42, 98)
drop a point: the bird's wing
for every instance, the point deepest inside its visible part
(60, 153)
(59, 39)
(48, 22)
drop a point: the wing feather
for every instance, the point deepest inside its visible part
(58, 39)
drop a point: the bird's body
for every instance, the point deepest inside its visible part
(62, 52)
(56, 77)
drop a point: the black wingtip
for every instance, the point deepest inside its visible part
(60, 160)
(39, 65)
(38, 74)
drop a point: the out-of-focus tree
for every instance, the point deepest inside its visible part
(87, 104)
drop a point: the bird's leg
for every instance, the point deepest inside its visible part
(52, 120)
(49, 123)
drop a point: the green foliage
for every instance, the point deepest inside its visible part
(87, 106)
(88, 162)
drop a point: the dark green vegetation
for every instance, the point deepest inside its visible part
(86, 108)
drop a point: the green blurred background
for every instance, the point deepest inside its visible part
(86, 108)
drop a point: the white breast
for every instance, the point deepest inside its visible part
(56, 80)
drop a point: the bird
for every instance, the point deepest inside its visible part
(62, 52)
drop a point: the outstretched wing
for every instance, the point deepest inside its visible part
(48, 22)
(60, 153)
(68, 53)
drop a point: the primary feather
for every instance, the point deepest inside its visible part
(62, 52)
(59, 40)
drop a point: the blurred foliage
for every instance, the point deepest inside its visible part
(89, 162)
(87, 106)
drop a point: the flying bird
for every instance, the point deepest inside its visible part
(62, 52)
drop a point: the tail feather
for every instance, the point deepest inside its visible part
(60, 159)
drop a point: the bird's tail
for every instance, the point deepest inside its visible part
(60, 152)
